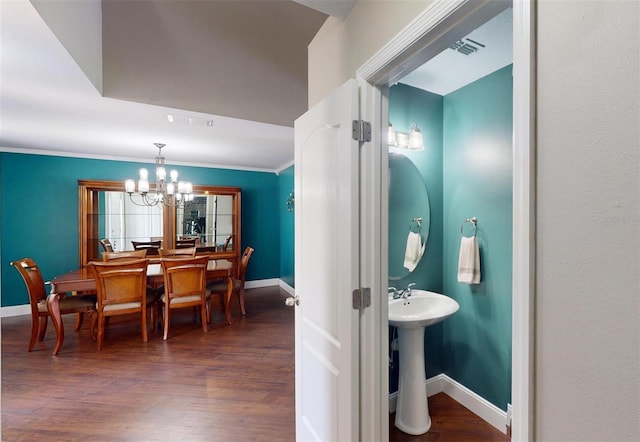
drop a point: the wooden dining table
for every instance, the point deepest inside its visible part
(82, 280)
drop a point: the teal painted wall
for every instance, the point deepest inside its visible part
(287, 231)
(478, 182)
(39, 213)
(468, 172)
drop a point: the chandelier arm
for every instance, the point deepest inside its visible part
(148, 201)
(134, 201)
(177, 203)
(145, 200)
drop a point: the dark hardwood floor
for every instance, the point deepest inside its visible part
(450, 422)
(235, 383)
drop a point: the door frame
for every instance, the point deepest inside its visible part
(427, 35)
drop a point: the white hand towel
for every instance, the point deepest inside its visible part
(414, 251)
(469, 261)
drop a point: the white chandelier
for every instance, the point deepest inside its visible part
(172, 193)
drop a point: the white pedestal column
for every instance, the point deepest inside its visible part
(412, 410)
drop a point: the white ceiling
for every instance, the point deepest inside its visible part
(48, 105)
(450, 70)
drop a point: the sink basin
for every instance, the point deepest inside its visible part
(411, 316)
(421, 309)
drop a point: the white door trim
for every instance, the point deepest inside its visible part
(431, 32)
(427, 35)
(524, 102)
(374, 375)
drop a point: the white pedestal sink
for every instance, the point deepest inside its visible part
(411, 315)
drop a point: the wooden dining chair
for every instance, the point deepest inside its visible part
(219, 287)
(184, 252)
(122, 289)
(32, 278)
(167, 253)
(124, 255)
(106, 245)
(185, 285)
(151, 247)
(153, 291)
(185, 243)
(227, 241)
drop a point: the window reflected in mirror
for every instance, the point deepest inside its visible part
(126, 222)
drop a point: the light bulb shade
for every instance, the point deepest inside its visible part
(188, 187)
(129, 186)
(171, 189)
(143, 186)
(161, 173)
(393, 139)
(403, 140)
(174, 175)
(415, 139)
(144, 174)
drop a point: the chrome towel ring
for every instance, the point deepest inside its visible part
(416, 223)
(474, 222)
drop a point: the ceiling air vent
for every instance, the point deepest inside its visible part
(467, 47)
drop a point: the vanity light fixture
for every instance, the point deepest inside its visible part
(393, 137)
(172, 193)
(415, 138)
(403, 140)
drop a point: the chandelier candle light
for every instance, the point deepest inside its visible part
(172, 193)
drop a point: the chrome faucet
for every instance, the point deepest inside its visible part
(395, 293)
(407, 292)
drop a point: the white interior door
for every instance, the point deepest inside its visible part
(327, 263)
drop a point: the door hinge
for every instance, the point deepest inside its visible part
(361, 130)
(361, 298)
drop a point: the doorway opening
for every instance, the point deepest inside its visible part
(441, 25)
(462, 102)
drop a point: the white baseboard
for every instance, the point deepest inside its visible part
(287, 288)
(261, 283)
(270, 283)
(467, 398)
(15, 310)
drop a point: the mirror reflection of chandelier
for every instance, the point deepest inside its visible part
(170, 193)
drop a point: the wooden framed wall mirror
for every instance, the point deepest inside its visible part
(211, 222)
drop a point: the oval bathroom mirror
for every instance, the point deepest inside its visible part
(408, 201)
